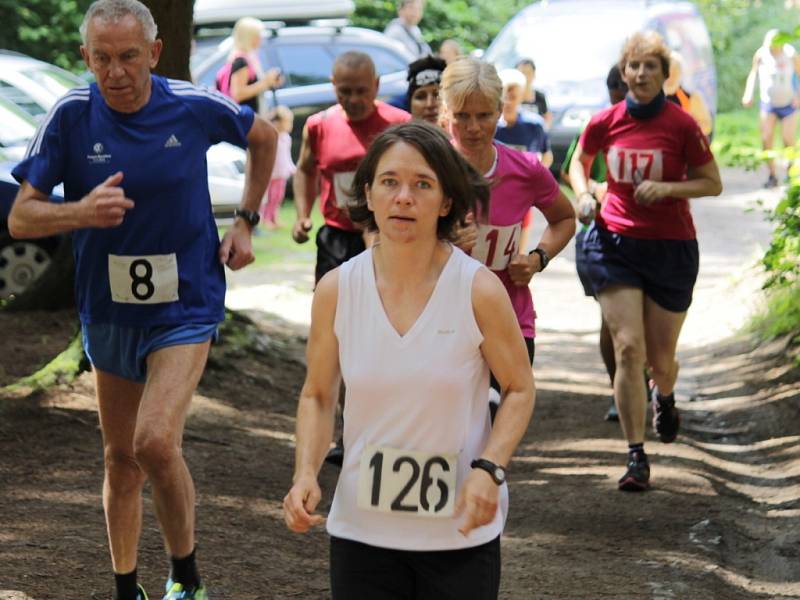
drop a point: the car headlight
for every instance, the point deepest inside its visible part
(576, 117)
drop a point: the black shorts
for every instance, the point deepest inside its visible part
(335, 247)
(363, 572)
(580, 265)
(665, 270)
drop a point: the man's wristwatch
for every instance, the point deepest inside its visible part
(250, 216)
(544, 258)
(497, 472)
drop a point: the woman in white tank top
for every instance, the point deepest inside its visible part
(777, 66)
(412, 327)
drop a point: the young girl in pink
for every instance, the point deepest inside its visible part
(283, 119)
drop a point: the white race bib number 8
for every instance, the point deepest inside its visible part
(149, 279)
(496, 245)
(407, 482)
(342, 186)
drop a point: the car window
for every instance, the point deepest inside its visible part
(16, 96)
(385, 60)
(16, 127)
(304, 64)
(55, 81)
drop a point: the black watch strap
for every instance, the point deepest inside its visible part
(497, 472)
(250, 216)
(544, 258)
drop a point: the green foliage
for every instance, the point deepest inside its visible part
(473, 23)
(737, 29)
(737, 140)
(782, 259)
(44, 29)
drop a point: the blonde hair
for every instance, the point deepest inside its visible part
(648, 43)
(245, 31)
(465, 76)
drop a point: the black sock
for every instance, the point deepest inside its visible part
(666, 398)
(633, 448)
(126, 586)
(184, 571)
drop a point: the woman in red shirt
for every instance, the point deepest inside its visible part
(642, 252)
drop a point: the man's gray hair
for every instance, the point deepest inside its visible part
(115, 10)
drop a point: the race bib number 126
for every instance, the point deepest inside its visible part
(407, 482)
(143, 279)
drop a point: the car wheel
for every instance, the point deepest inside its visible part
(21, 263)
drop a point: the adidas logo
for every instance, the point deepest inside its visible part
(172, 142)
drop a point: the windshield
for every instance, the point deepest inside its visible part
(564, 47)
(55, 81)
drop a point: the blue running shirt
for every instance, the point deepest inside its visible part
(160, 266)
(526, 135)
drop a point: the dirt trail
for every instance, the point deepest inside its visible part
(722, 520)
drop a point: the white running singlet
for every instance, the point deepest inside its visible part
(415, 413)
(776, 76)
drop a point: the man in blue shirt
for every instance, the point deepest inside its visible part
(130, 151)
(517, 128)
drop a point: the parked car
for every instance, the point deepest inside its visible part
(575, 42)
(305, 56)
(21, 261)
(30, 87)
(216, 13)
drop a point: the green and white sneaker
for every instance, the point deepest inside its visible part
(142, 595)
(175, 591)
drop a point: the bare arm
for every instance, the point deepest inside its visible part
(504, 351)
(579, 169)
(241, 90)
(236, 249)
(306, 186)
(749, 86)
(560, 228)
(701, 181)
(316, 408)
(699, 110)
(33, 215)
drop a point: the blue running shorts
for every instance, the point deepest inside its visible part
(122, 351)
(580, 264)
(779, 111)
(665, 270)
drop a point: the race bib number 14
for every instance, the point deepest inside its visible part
(496, 245)
(407, 482)
(149, 279)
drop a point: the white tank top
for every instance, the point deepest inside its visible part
(416, 413)
(776, 76)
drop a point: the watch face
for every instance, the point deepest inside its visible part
(499, 474)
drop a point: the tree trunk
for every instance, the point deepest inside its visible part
(174, 20)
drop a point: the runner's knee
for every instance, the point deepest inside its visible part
(122, 471)
(155, 452)
(629, 352)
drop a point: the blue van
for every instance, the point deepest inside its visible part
(575, 42)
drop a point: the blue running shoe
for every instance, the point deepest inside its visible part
(175, 591)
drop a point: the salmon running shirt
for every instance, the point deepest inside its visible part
(661, 148)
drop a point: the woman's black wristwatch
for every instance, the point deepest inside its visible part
(544, 259)
(497, 472)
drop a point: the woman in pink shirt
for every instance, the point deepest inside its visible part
(472, 95)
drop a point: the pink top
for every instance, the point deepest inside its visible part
(519, 181)
(284, 166)
(659, 149)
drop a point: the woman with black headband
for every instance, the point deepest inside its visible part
(424, 76)
(641, 251)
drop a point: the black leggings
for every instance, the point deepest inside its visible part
(363, 572)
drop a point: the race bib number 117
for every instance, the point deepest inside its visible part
(151, 279)
(407, 482)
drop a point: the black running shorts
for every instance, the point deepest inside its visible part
(665, 270)
(334, 247)
(363, 572)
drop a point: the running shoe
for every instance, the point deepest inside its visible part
(637, 477)
(612, 414)
(666, 420)
(142, 595)
(175, 591)
(771, 182)
(335, 455)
